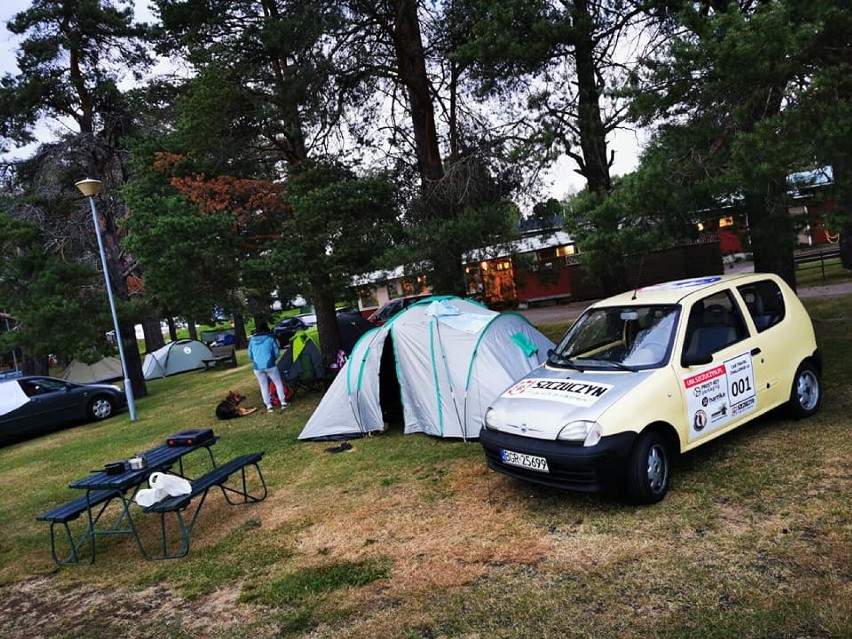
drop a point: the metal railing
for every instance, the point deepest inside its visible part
(816, 258)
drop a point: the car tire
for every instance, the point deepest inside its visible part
(648, 469)
(100, 408)
(806, 393)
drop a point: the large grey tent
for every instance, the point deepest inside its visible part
(107, 369)
(440, 362)
(176, 357)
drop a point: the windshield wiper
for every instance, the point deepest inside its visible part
(560, 360)
(623, 367)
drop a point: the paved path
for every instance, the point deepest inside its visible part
(571, 311)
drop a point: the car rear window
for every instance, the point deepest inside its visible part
(765, 303)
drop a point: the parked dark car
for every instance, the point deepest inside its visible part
(31, 405)
(394, 306)
(289, 326)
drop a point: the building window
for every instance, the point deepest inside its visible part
(549, 254)
(367, 297)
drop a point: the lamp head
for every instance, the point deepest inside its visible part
(89, 187)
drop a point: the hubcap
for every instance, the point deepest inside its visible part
(807, 390)
(101, 409)
(657, 468)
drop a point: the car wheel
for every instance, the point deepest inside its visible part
(648, 469)
(100, 408)
(805, 394)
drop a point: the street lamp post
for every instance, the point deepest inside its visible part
(90, 188)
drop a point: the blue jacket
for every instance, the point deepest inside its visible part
(263, 351)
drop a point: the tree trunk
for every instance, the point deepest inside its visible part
(133, 360)
(35, 365)
(411, 66)
(193, 329)
(327, 325)
(115, 264)
(772, 232)
(240, 337)
(592, 131)
(172, 329)
(153, 333)
(595, 162)
(846, 246)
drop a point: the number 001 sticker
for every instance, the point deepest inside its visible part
(719, 394)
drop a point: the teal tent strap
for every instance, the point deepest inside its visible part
(396, 366)
(525, 344)
(373, 333)
(435, 376)
(476, 350)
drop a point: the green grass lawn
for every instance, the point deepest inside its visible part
(409, 536)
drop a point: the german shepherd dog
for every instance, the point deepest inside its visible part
(229, 408)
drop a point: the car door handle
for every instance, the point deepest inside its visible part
(755, 351)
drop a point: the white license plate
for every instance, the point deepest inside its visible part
(524, 461)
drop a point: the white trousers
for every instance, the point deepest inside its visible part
(263, 377)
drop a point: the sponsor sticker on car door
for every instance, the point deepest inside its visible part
(719, 394)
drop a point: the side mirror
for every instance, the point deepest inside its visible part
(696, 359)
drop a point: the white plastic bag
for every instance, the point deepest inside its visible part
(173, 485)
(149, 496)
(162, 485)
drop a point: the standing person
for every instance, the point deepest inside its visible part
(263, 352)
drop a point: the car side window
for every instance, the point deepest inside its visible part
(51, 385)
(714, 323)
(390, 310)
(29, 388)
(41, 386)
(765, 303)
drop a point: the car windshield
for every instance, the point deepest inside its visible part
(618, 338)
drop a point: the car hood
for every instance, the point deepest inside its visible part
(540, 404)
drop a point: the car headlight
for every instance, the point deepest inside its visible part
(491, 420)
(581, 431)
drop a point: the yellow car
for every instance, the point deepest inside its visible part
(651, 373)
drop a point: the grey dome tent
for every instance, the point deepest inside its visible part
(440, 363)
(107, 369)
(176, 357)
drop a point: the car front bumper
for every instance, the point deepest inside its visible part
(571, 466)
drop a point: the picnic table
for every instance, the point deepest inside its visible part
(106, 493)
(225, 355)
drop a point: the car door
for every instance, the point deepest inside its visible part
(716, 367)
(52, 402)
(15, 411)
(765, 311)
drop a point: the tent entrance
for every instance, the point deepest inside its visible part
(390, 393)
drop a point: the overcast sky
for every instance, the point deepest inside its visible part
(562, 179)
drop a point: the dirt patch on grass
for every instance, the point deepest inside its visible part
(434, 541)
(42, 607)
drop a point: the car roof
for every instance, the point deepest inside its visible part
(681, 291)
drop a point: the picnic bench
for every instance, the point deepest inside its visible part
(104, 489)
(225, 355)
(219, 476)
(71, 511)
